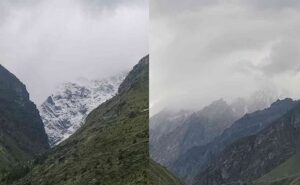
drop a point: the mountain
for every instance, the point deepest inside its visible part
(165, 122)
(198, 158)
(287, 173)
(66, 109)
(159, 175)
(173, 133)
(198, 129)
(110, 148)
(22, 135)
(253, 156)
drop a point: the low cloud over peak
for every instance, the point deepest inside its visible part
(203, 51)
(52, 41)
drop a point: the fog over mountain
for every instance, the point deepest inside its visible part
(48, 42)
(209, 49)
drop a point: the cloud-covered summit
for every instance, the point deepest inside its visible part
(206, 50)
(46, 42)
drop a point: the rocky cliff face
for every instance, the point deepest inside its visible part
(197, 159)
(165, 122)
(251, 157)
(65, 111)
(173, 133)
(198, 128)
(253, 123)
(22, 134)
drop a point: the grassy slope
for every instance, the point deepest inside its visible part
(287, 173)
(158, 175)
(10, 154)
(111, 148)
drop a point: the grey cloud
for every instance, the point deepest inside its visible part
(112, 3)
(272, 4)
(202, 51)
(284, 57)
(176, 7)
(99, 4)
(49, 42)
(18, 2)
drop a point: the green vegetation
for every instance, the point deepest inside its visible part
(158, 175)
(287, 173)
(15, 172)
(112, 146)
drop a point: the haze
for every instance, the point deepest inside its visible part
(45, 43)
(203, 50)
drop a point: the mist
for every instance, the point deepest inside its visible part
(45, 43)
(203, 50)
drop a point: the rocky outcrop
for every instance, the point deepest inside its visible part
(66, 109)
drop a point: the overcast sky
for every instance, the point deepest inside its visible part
(47, 42)
(203, 50)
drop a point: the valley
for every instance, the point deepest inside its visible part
(110, 148)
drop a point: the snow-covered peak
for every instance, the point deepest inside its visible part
(66, 109)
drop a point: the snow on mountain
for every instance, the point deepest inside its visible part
(65, 110)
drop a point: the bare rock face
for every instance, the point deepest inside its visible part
(65, 110)
(190, 129)
(174, 133)
(251, 157)
(197, 159)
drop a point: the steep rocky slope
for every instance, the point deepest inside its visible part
(22, 135)
(66, 109)
(110, 148)
(198, 128)
(165, 122)
(161, 126)
(173, 133)
(253, 156)
(195, 160)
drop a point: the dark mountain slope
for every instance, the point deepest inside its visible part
(197, 159)
(253, 156)
(159, 175)
(164, 123)
(198, 129)
(110, 148)
(252, 123)
(22, 134)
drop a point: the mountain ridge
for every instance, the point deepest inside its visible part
(254, 156)
(22, 135)
(197, 159)
(110, 148)
(66, 109)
